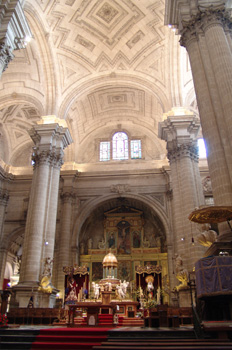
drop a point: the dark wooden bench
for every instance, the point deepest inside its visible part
(33, 316)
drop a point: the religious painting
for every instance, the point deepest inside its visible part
(111, 239)
(136, 239)
(124, 243)
(97, 271)
(124, 271)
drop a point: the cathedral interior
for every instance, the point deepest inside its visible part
(102, 106)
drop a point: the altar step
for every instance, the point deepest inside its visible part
(105, 320)
(130, 322)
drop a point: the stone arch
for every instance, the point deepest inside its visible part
(95, 84)
(153, 206)
(22, 155)
(21, 98)
(15, 237)
(90, 206)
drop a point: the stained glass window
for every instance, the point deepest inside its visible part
(104, 151)
(136, 151)
(120, 146)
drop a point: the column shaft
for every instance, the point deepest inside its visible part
(218, 166)
(221, 58)
(32, 255)
(64, 240)
(3, 203)
(52, 212)
(181, 133)
(50, 140)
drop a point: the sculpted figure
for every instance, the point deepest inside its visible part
(47, 267)
(102, 244)
(181, 273)
(207, 237)
(90, 243)
(72, 291)
(45, 282)
(121, 290)
(96, 290)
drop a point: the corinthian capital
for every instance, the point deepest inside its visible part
(4, 196)
(186, 13)
(68, 197)
(183, 151)
(43, 157)
(204, 19)
(57, 159)
(6, 54)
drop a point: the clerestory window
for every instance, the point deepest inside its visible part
(120, 148)
(202, 149)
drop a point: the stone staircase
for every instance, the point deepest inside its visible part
(182, 338)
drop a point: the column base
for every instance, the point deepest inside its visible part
(29, 295)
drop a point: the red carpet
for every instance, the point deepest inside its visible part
(70, 338)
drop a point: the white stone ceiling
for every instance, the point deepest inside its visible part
(102, 65)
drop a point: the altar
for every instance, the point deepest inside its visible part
(92, 308)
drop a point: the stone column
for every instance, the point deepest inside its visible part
(64, 239)
(180, 132)
(50, 140)
(204, 28)
(4, 197)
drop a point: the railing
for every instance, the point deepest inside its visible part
(197, 324)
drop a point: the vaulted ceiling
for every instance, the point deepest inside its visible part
(103, 65)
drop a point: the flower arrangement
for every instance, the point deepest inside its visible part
(3, 320)
(150, 304)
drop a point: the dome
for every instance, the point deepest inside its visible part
(110, 260)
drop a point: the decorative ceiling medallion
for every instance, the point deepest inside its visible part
(84, 42)
(69, 2)
(107, 12)
(108, 20)
(137, 37)
(120, 100)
